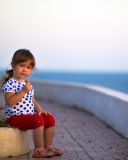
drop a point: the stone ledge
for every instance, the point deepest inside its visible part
(13, 142)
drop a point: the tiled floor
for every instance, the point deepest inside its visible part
(81, 136)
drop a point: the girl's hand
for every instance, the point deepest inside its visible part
(27, 87)
(43, 112)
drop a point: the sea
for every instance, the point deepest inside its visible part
(114, 80)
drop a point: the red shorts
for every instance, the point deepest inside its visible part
(27, 122)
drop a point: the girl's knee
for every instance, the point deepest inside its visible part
(50, 117)
(38, 121)
(49, 120)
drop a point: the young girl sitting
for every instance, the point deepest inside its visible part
(21, 105)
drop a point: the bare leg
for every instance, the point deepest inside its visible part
(38, 142)
(38, 136)
(48, 136)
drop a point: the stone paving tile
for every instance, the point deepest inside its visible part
(88, 133)
(81, 136)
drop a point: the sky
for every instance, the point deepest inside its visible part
(66, 35)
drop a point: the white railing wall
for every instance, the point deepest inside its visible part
(108, 105)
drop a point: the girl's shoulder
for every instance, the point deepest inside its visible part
(7, 84)
(10, 85)
(10, 82)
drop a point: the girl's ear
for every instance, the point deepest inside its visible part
(12, 65)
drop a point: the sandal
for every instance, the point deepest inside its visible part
(54, 150)
(42, 153)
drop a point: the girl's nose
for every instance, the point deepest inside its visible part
(24, 68)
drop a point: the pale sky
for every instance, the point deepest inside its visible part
(71, 35)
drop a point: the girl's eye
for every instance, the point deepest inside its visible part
(24, 66)
(29, 67)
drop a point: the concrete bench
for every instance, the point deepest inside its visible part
(13, 142)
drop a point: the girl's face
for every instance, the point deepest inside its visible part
(21, 70)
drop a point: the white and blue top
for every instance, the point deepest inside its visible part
(25, 105)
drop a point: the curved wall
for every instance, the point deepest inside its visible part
(108, 105)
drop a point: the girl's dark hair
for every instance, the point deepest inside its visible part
(21, 55)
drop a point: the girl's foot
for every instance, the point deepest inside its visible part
(42, 152)
(54, 150)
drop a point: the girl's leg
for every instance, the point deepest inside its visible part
(48, 136)
(38, 136)
(38, 133)
(26, 122)
(49, 123)
(35, 122)
(40, 151)
(49, 133)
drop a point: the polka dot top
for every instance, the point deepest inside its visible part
(25, 105)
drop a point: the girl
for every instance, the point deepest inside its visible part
(21, 104)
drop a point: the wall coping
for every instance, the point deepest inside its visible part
(96, 88)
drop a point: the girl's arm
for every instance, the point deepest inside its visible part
(12, 98)
(37, 108)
